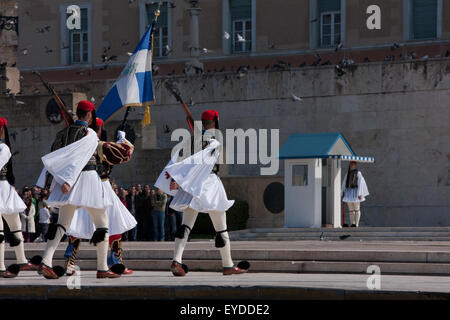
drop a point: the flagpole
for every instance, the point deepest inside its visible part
(155, 19)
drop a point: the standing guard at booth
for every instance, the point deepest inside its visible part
(354, 191)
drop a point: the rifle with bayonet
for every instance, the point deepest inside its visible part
(176, 93)
(62, 107)
(64, 113)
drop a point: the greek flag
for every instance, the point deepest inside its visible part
(134, 86)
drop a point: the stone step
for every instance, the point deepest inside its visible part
(402, 257)
(374, 229)
(336, 238)
(362, 233)
(322, 254)
(353, 233)
(282, 266)
(338, 234)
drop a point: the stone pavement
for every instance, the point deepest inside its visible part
(312, 245)
(334, 280)
(161, 285)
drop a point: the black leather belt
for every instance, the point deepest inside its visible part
(89, 167)
(3, 177)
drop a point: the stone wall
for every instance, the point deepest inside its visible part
(396, 112)
(251, 189)
(31, 134)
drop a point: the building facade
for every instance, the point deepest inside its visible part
(391, 103)
(229, 30)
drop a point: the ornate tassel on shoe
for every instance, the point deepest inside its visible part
(14, 269)
(58, 270)
(244, 265)
(118, 268)
(36, 260)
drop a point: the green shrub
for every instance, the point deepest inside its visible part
(237, 217)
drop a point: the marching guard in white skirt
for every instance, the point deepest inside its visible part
(198, 189)
(76, 184)
(120, 219)
(10, 206)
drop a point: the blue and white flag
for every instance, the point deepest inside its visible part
(134, 86)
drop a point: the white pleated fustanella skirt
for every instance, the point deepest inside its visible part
(87, 192)
(10, 201)
(212, 197)
(120, 219)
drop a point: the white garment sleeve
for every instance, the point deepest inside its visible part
(41, 180)
(5, 154)
(362, 186)
(191, 173)
(162, 182)
(343, 185)
(66, 164)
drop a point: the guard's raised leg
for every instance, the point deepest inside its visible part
(54, 235)
(181, 238)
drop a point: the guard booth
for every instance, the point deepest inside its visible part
(313, 179)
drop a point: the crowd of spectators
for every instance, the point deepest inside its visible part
(150, 207)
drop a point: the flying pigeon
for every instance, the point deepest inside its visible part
(240, 38)
(167, 50)
(295, 98)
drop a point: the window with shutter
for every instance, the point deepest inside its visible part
(79, 40)
(241, 22)
(424, 19)
(329, 5)
(330, 22)
(161, 33)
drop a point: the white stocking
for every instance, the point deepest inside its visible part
(352, 217)
(100, 219)
(2, 256)
(64, 218)
(13, 221)
(358, 216)
(2, 247)
(219, 220)
(189, 217)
